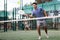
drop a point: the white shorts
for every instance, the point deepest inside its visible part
(41, 22)
(26, 24)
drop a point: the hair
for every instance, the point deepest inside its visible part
(34, 3)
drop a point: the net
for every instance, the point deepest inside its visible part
(53, 22)
(32, 19)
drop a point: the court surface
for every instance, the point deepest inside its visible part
(29, 35)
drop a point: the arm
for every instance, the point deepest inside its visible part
(32, 15)
(28, 15)
(25, 14)
(45, 13)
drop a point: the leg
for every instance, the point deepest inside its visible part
(25, 28)
(28, 26)
(45, 28)
(38, 29)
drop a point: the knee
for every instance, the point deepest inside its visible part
(45, 27)
(38, 26)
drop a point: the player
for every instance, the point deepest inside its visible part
(39, 12)
(26, 24)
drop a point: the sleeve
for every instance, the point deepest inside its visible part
(41, 9)
(44, 12)
(33, 14)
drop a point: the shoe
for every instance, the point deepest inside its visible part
(39, 37)
(47, 36)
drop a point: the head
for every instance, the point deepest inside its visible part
(34, 5)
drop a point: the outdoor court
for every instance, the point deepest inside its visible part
(29, 35)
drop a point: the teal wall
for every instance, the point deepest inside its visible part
(54, 5)
(27, 9)
(2, 13)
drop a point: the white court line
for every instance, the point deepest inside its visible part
(31, 19)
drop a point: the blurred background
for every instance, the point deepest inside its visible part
(14, 9)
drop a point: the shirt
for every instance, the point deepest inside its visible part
(39, 12)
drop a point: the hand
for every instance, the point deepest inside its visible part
(25, 15)
(46, 16)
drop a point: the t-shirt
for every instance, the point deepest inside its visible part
(39, 12)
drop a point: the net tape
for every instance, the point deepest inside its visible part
(31, 19)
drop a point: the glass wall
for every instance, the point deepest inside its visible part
(57, 6)
(9, 11)
(1, 8)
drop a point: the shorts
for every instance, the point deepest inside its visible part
(41, 23)
(26, 25)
